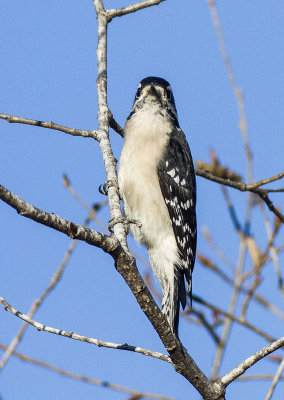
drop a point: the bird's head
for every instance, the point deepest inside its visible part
(155, 94)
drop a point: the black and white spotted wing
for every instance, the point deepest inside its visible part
(177, 182)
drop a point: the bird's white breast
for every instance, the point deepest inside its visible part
(146, 136)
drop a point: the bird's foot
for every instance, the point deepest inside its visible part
(103, 189)
(125, 221)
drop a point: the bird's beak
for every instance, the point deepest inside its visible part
(153, 92)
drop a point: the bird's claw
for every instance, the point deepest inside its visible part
(122, 220)
(103, 189)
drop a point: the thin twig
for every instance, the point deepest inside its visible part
(260, 377)
(118, 12)
(55, 279)
(219, 252)
(275, 381)
(49, 125)
(237, 91)
(259, 261)
(263, 194)
(234, 318)
(37, 303)
(249, 296)
(91, 210)
(232, 210)
(124, 261)
(87, 379)
(268, 180)
(257, 297)
(206, 324)
(274, 256)
(72, 191)
(76, 336)
(243, 187)
(228, 321)
(116, 127)
(243, 366)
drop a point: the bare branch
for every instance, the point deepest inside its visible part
(257, 297)
(234, 318)
(182, 362)
(94, 217)
(274, 256)
(77, 336)
(116, 127)
(217, 169)
(74, 231)
(228, 321)
(259, 261)
(91, 210)
(37, 303)
(263, 194)
(219, 252)
(205, 323)
(118, 12)
(275, 380)
(242, 367)
(125, 263)
(49, 125)
(237, 91)
(243, 187)
(268, 180)
(259, 377)
(232, 210)
(86, 379)
(55, 279)
(104, 117)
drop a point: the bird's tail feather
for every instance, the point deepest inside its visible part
(173, 296)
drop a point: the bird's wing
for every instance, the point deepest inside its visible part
(177, 182)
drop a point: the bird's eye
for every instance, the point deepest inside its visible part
(169, 94)
(138, 93)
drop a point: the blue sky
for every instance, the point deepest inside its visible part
(48, 72)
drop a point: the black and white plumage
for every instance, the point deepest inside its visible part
(157, 184)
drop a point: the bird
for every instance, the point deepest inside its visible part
(158, 187)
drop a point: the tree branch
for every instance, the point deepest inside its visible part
(242, 367)
(49, 125)
(104, 118)
(234, 318)
(232, 306)
(118, 12)
(74, 231)
(262, 193)
(243, 187)
(205, 261)
(116, 127)
(126, 266)
(237, 90)
(182, 362)
(86, 379)
(124, 262)
(268, 180)
(36, 304)
(77, 336)
(258, 377)
(275, 380)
